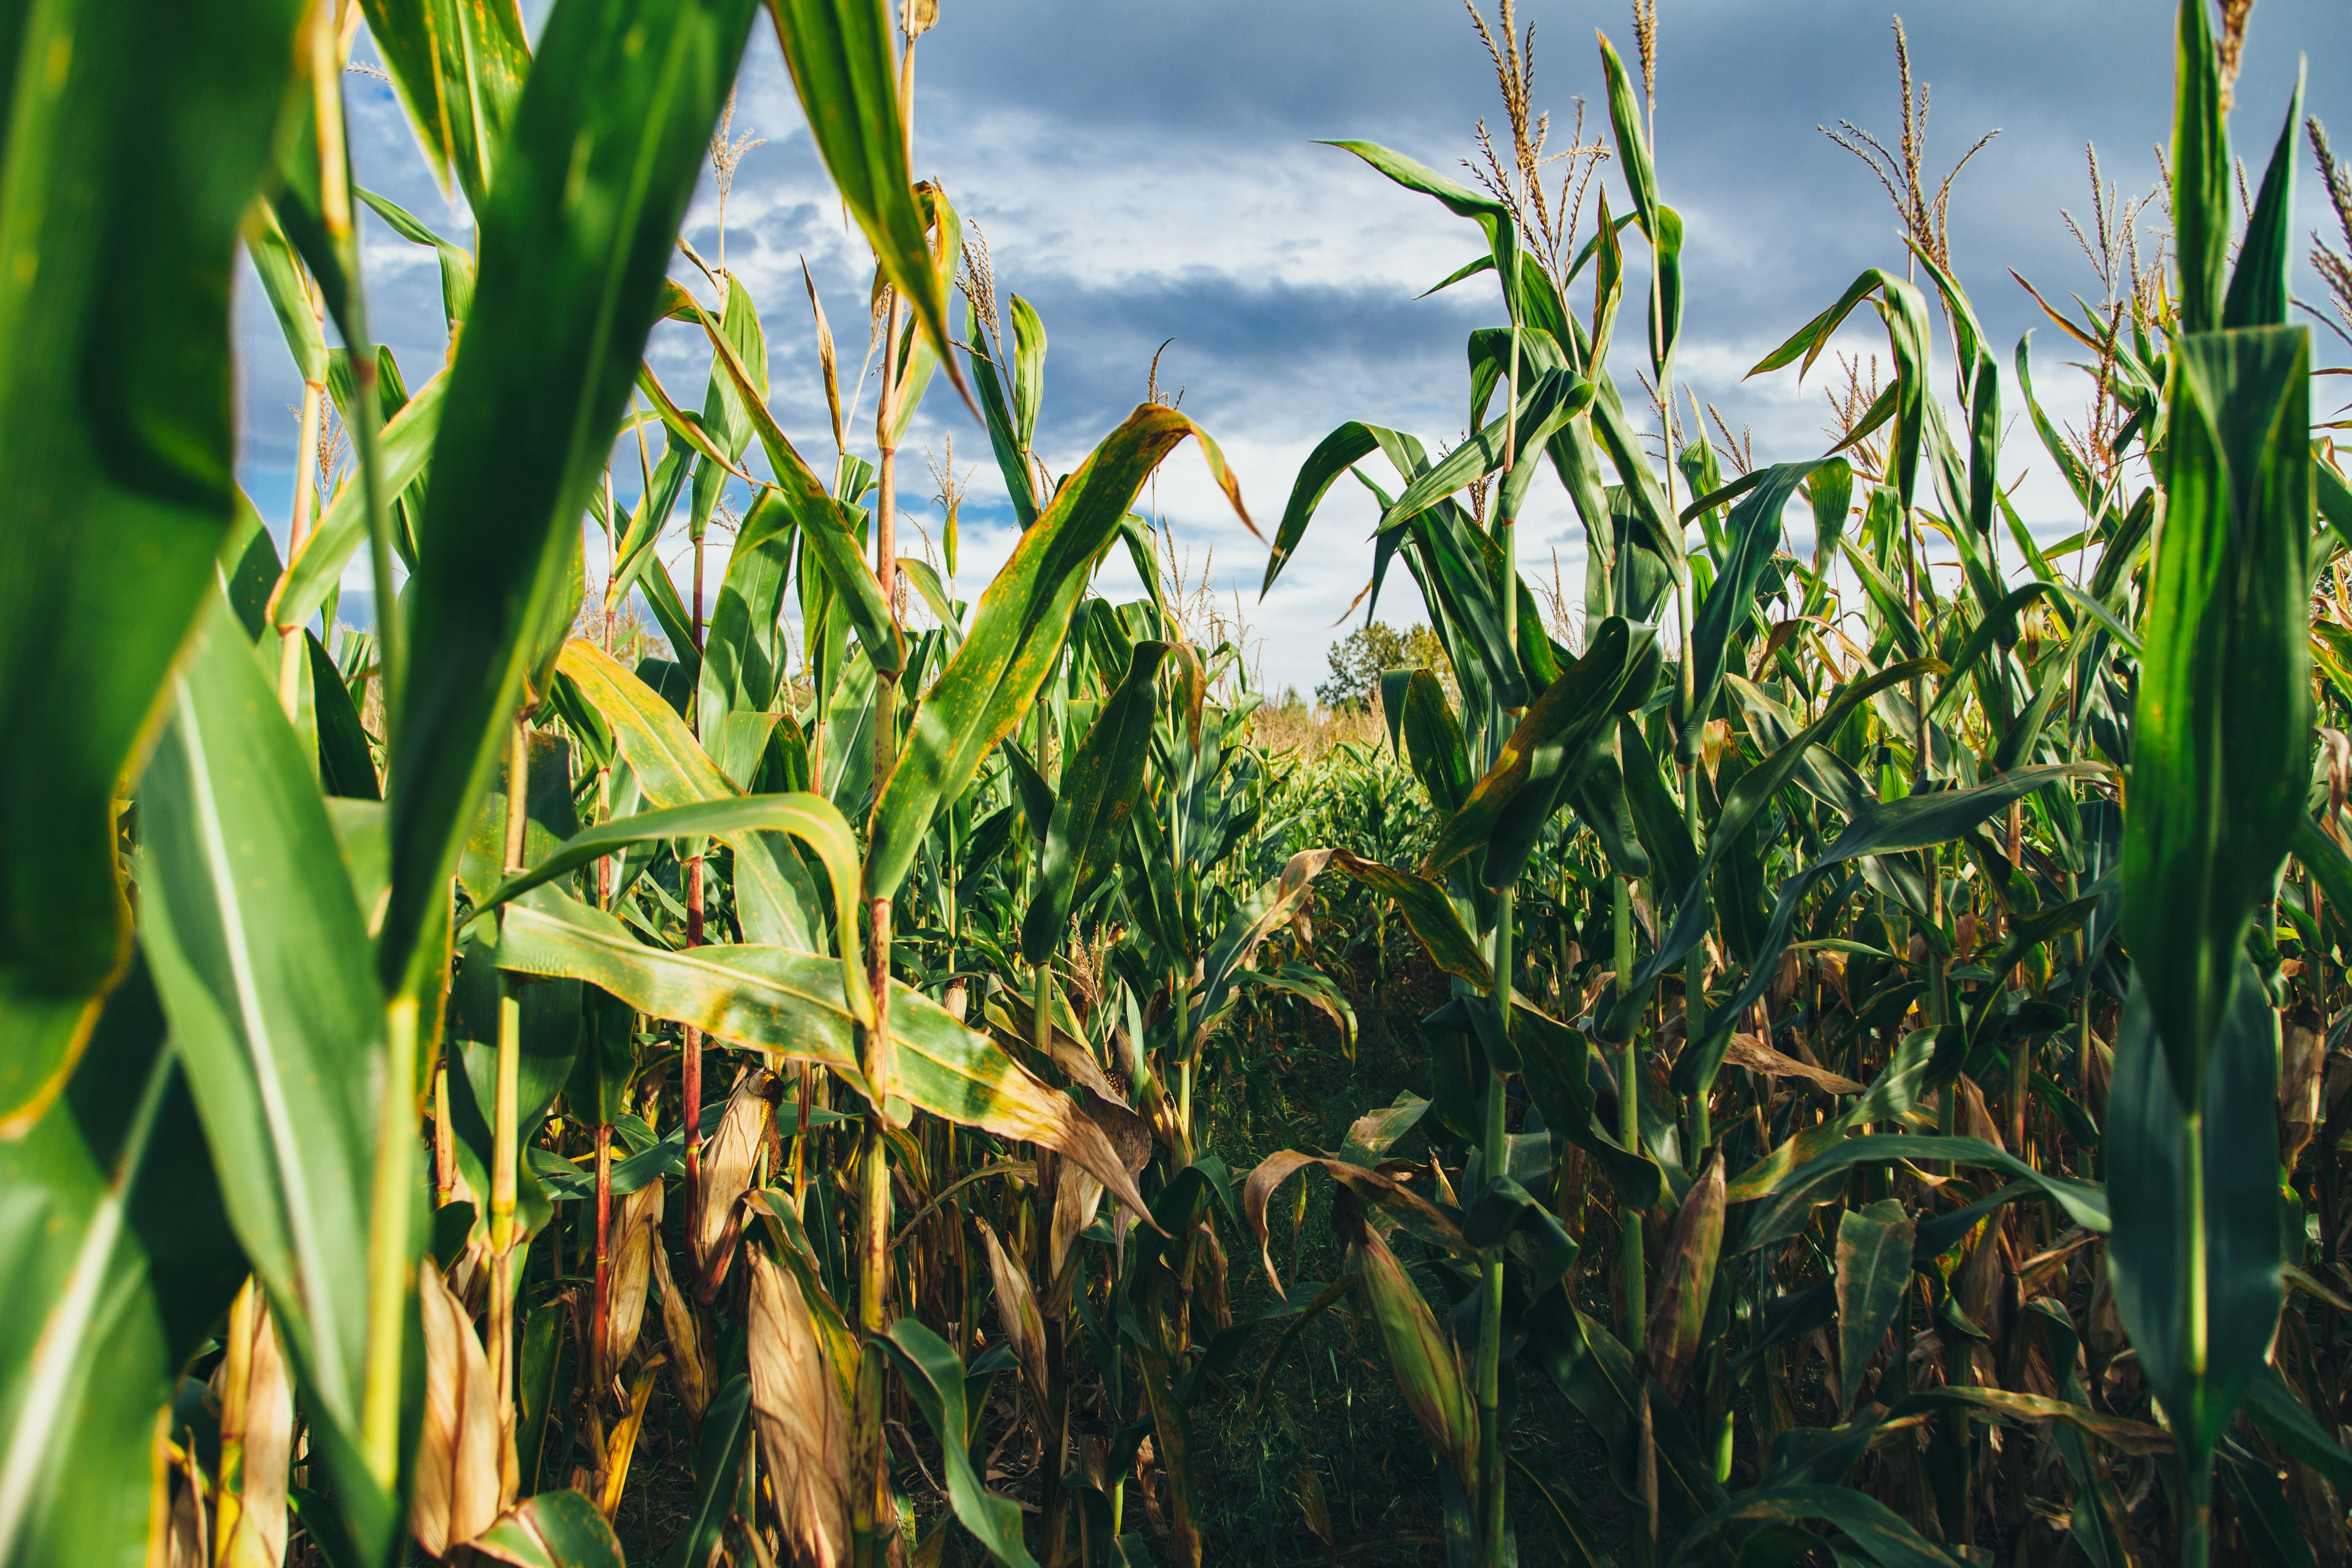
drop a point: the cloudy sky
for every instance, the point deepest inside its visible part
(1147, 172)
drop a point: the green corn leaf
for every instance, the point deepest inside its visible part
(1331, 457)
(1490, 215)
(2268, 1526)
(2069, 463)
(846, 73)
(1905, 314)
(288, 287)
(595, 177)
(1428, 914)
(1555, 1066)
(458, 67)
(1873, 1265)
(1657, 816)
(1633, 146)
(1746, 799)
(2200, 167)
(635, 552)
(121, 1261)
(743, 651)
(2275, 1408)
(124, 177)
(1028, 372)
(1893, 828)
(934, 1379)
(1755, 530)
(2258, 292)
(1795, 1190)
(262, 960)
(1598, 1374)
(1550, 402)
(836, 546)
(1876, 1533)
(1100, 785)
(1559, 725)
(718, 1460)
(1016, 633)
(346, 766)
(2167, 1233)
(456, 265)
(2220, 736)
(553, 1529)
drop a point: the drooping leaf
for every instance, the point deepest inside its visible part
(810, 818)
(791, 1005)
(846, 72)
(774, 900)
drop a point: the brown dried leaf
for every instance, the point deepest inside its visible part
(804, 1425)
(1016, 1308)
(1749, 1052)
(258, 1418)
(461, 1469)
(687, 1360)
(727, 1162)
(636, 1221)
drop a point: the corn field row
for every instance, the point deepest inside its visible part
(1851, 1041)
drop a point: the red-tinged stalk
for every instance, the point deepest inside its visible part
(601, 1316)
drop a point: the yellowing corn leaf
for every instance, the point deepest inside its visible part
(1752, 1052)
(1377, 1190)
(791, 1006)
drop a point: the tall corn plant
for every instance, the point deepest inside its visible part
(2220, 748)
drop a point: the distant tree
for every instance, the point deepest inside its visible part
(1360, 659)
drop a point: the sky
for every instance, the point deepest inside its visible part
(1151, 173)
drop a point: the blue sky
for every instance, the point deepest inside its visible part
(1147, 172)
